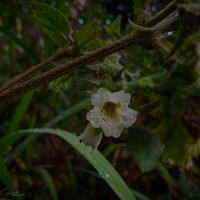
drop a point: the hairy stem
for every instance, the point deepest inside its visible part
(133, 38)
(10, 91)
(35, 68)
(162, 14)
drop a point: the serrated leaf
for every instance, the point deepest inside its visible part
(116, 25)
(87, 34)
(145, 148)
(110, 65)
(53, 22)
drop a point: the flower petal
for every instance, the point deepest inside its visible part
(127, 117)
(95, 117)
(89, 137)
(99, 98)
(112, 129)
(121, 96)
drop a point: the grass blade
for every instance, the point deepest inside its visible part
(47, 178)
(20, 111)
(164, 171)
(68, 112)
(7, 140)
(5, 175)
(96, 159)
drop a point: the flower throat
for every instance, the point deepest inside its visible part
(110, 110)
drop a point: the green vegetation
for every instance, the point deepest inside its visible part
(55, 55)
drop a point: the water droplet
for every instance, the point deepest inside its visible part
(154, 8)
(130, 15)
(107, 21)
(107, 175)
(80, 20)
(120, 7)
(170, 32)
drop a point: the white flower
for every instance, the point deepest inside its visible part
(111, 112)
(90, 137)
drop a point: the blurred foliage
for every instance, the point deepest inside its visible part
(146, 148)
(158, 158)
(52, 22)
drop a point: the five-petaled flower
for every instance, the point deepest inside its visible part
(111, 112)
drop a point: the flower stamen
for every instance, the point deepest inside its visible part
(110, 111)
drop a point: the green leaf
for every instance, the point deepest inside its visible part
(87, 33)
(99, 162)
(154, 77)
(7, 140)
(68, 112)
(165, 172)
(146, 82)
(95, 43)
(20, 111)
(32, 138)
(62, 83)
(5, 178)
(179, 148)
(139, 195)
(53, 22)
(145, 148)
(116, 25)
(5, 175)
(50, 184)
(18, 150)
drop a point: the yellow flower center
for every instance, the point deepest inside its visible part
(110, 111)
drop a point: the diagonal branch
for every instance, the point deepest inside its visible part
(10, 91)
(171, 7)
(133, 38)
(35, 68)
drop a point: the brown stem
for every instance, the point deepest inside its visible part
(141, 17)
(9, 94)
(170, 19)
(164, 50)
(35, 68)
(15, 91)
(162, 14)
